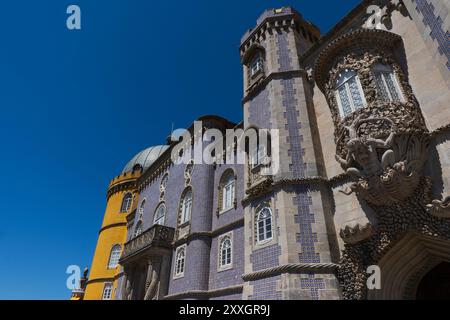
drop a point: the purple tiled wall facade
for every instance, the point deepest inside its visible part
(259, 110)
(230, 277)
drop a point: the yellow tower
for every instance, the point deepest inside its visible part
(105, 269)
(122, 196)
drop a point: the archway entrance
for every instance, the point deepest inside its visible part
(415, 268)
(435, 285)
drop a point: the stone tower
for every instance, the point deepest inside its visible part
(290, 242)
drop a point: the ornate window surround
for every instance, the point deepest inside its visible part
(256, 54)
(227, 178)
(163, 185)
(344, 79)
(184, 214)
(179, 265)
(162, 217)
(227, 236)
(127, 202)
(258, 210)
(138, 229)
(386, 70)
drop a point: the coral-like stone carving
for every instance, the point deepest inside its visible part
(383, 147)
(358, 233)
(440, 209)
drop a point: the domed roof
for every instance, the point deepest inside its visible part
(145, 158)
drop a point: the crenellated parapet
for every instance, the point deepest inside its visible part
(124, 181)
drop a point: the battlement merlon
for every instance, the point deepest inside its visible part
(275, 18)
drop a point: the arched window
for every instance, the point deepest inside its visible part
(107, 291)
(126, 202)
(114, 256)
(225, 252)
(387, 85)
(180, 261)
(264, 225)
(226, 191)
(138, 229)
(256, 65)
(349, 93)
(186, 206)
(141, 209)
(160, 215)
(163, 185)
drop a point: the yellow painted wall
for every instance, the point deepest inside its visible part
(113, 231)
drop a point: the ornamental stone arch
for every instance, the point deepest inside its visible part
(406, 263)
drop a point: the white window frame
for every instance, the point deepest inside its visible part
(186, 207)
(346, 85)
(176, 272)
(156, 219)
(258, 156)
(228, 191)
(386, 70)
(139, 226)
(265, 239)
(222, 239)
(163, 184)
(141, 208)
(125, 207)
(256, 66)
(107, 291)
(114, 256)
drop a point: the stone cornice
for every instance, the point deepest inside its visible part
(291, 268)
(118, 224)
(265, 188)
(251, 93)
(105, 279)
(202, 294)
(209, 234)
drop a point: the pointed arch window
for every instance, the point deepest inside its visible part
(141, 209)
(225, 252)
(186, 206)
(139, 229)
(160, 214)
(264, 225)
(387, 84)
(256, 65)
(349, 93)
(227, 191)
(126, 202)
(180, 260)
(114, 256)
(107, 291)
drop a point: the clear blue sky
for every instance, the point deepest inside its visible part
(77, 105)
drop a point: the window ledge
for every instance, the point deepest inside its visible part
(225, 268)
(178, 276)
(226, 210)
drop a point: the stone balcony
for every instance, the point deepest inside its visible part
(153, 239)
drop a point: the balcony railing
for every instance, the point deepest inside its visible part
(156, 236)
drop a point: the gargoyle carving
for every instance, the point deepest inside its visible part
(386, 171)
(440, 209)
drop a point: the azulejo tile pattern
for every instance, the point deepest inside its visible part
(435, 23)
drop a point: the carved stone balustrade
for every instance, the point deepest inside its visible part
(157, 237)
